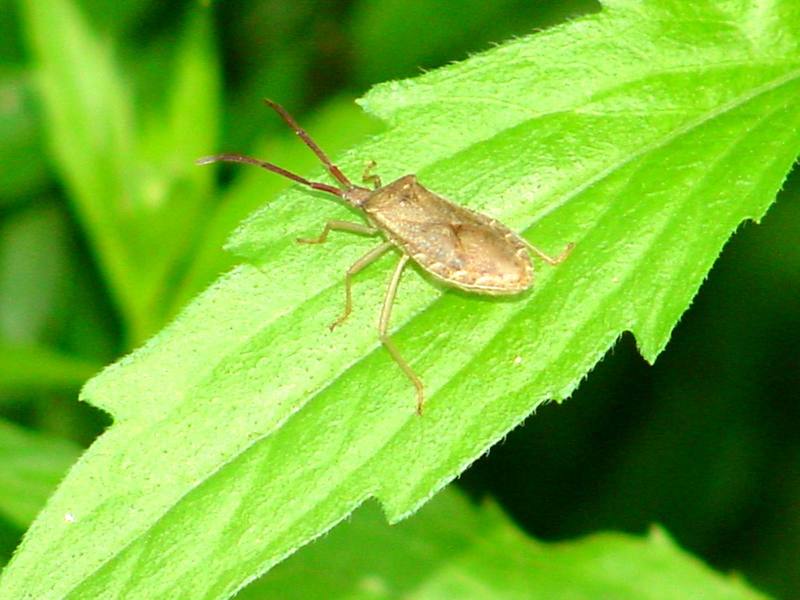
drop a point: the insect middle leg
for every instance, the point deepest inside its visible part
(383, 326)
(362, 262)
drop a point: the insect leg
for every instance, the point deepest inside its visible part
(289, 120)
(383, 325)
(339, 226)
(546, 257)
(355, 268)
(369, 177)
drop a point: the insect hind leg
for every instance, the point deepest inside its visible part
(383, 326)
(546, 257)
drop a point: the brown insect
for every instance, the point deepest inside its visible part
(457, 246)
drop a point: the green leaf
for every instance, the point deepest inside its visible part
(171, 142)
(33, 272)
(451, 549)
(645, 134)
(10, 44)
(135, 187)
(115, 17)
(276, 50)
(31, 465)
(89, 124)
(42, 296)
(24, 368)
(22, 164)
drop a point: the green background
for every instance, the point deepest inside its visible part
(703, 443)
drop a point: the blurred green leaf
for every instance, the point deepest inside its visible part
(43, 298)
(115, 16)
(48, 293)
(86, 323)
(33, 272)
(25, 368)
(22, 164)
(11, 51)
(451, 549)
(88, 114)
(172, 141)
(31, 465)
(272, 53)
(137, 195)
(9, 539)
(645, 134)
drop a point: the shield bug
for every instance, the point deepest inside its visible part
(458, 247)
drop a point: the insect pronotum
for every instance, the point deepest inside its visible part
(457, 246)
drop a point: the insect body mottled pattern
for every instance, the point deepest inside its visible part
(457, 246)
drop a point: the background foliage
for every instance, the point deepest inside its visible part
(703, 443)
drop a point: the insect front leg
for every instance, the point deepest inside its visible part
(369, 177)
(362, 262)
(339, 226)
(383, 326)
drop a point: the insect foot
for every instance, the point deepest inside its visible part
(369, 177)
(458, 247)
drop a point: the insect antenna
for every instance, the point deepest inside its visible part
(289, 120)
(241, 158)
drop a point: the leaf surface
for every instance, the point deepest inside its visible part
(645, 134)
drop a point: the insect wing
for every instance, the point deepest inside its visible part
(460, 247)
